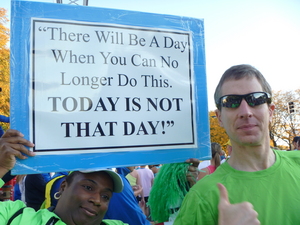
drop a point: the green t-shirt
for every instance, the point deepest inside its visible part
(274, 193)
(131, 179)
(30, 216)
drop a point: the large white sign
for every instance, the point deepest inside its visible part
(104, 87)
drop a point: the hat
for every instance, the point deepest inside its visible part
(118, 182)
(228, 142)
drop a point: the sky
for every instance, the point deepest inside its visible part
(263, 33)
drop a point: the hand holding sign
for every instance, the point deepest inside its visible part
(12, 146)
(235, 214)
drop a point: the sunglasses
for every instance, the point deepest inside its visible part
(253, 99)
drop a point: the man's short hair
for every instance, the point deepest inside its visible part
(239, 72)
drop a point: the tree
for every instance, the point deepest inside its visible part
(285, 124)
(217, 133)
(4, 66)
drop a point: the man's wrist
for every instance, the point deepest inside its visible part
(3, 171)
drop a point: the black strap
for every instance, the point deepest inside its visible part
(51, 221)
(51, 208)
(15, 215)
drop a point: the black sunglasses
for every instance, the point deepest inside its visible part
(253, 99)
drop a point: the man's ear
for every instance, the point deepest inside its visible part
(218, 115)
(62, 186)
(271, 111)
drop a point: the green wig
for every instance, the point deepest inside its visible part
(168, 190)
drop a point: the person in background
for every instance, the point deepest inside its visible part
(135, 181)
(296, 143)
(223, 155)
(147, 178)
(216, 151)
(255, 174)
(155, 168)
(136, 184)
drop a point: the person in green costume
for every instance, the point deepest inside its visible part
(255, 177)
(83, 197)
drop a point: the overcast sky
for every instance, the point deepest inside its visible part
(263, 33)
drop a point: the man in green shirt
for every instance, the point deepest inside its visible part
(265, 179)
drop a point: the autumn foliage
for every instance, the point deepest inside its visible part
(4, 66)
(286, 122)
(217, 133)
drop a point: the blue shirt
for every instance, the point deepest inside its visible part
(124, 206)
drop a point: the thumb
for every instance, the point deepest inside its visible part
(223, 194)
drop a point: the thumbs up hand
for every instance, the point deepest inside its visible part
(235, 214)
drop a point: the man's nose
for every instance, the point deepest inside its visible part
(245, 110)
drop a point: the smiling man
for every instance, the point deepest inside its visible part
(83, 197)
(267, 180)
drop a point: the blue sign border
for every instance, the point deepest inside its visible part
(21, 14)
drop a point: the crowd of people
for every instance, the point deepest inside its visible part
(254, 184)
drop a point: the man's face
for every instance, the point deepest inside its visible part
(245, 125)
(85, 200)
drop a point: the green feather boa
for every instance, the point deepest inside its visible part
(169, 188)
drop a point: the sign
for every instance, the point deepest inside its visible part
(110, 87)
(97, 86)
